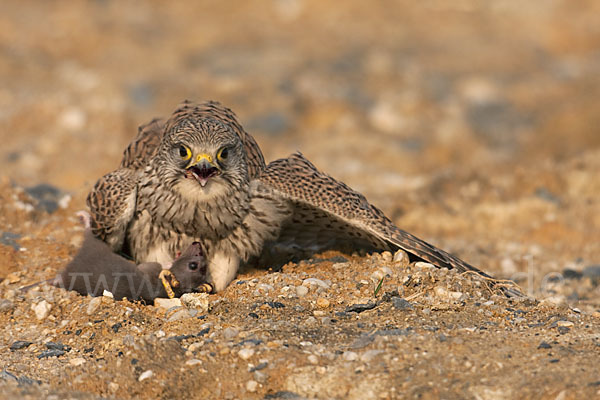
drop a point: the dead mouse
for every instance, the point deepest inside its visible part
(95, 268)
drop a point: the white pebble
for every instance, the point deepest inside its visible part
(314, 360)
(246, 353)
(316, 282)
(160, 333)
(350, 356)
(167, 303)
(93, 305)
(41, 309)
(77, 361)
(230, 333)
(386, 256)
(193, 361)
(196, 300)
(145, 375)
(301, 291)
(401, 258)
(369, 355)
(251, 386)
(564, 323)
(113, 387)
(424, 265)
(108, 294)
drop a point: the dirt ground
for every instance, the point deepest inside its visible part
(474, 125)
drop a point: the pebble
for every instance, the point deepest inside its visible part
(193, 361)
(350, 356)
(230, 333)
(167, 303)
(113, 387)
(314, 360)
(424, 265)
(322, 303)
(93, 305)
(198, 301)
(195, 346)
(401, 304)
(20, 344)
(108, 294)
(145, 375)
(179, 315)
(246, 353)
(315, 282)
(386, 256)
(368, 355)
(6, 305)
(77, 361)
(564, 323)
(301, 291)
(251, 386)
(41, 309)
(401, 259)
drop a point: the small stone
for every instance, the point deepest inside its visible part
(20, 344)
(315, 282)
(179, 315)
(350, 356)
(195, 346)
(424, 265)
(322, 303)
(199, 301)
(246, 353)
(401, 304)
(113, 387)
(108, 294)
(544, 345)
(314, 360)
(160, 333)
(193, 361)
(41, 309)
(76, 362)
(251, 386)
(301, 291)
(93, 305)
(230, 333)
(401, 259)
(145, 375)
(566, 324)
(386, 256)
(368, 355)
(166, 303)
(6, 305)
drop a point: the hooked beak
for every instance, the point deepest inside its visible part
(202, 171)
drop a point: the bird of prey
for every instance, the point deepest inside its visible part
(199, 176)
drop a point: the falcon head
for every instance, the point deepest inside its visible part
(201, 153)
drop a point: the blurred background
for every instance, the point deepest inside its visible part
(466, 121)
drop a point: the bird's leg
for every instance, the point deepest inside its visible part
(222, 269)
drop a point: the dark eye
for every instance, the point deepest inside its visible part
(184, 152)
(223, 154)
(193, 265)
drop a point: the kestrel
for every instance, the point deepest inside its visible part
(199, 176)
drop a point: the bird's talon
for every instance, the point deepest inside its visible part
(169, 282)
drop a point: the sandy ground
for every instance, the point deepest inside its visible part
(473, 125)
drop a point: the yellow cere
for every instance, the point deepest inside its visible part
(203, 156)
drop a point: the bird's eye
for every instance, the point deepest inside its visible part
(223, 154)
(184, 152)
(193, 266)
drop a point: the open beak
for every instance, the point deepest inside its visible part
(202, 171)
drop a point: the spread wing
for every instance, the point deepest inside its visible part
(328, 212)
(112, 203)
(144, 146)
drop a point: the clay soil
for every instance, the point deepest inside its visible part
(473, 125)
